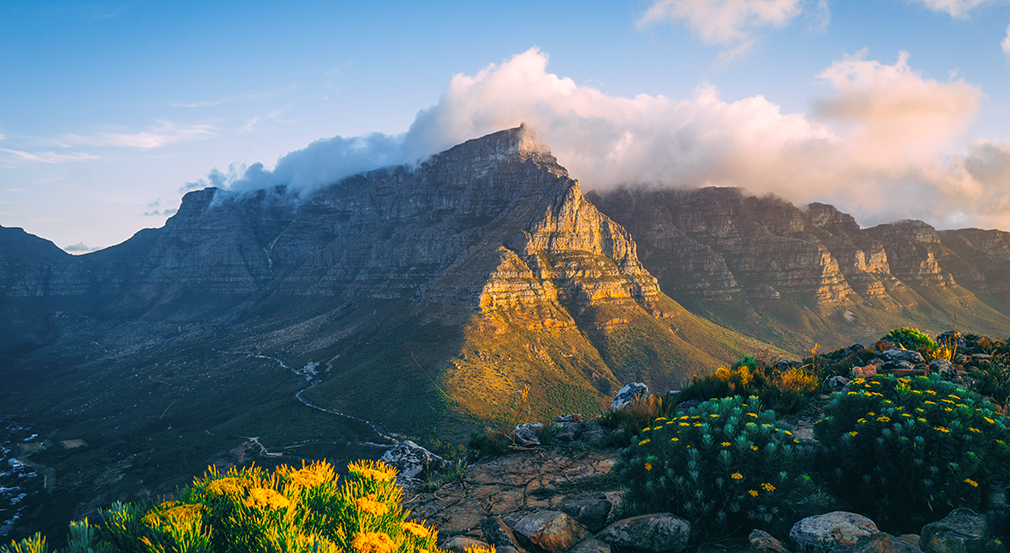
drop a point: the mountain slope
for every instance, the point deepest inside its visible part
(795, 277)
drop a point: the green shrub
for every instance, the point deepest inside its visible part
(639, 414)
(785, 391)
(725, 466)
(906, 451)
(249, 510)
(911, 338)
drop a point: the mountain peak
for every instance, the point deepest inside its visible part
(520, 144)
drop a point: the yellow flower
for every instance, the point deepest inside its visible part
(648, 465)
(478, 549)
(930, 392)
(975, 430)
(921, 420)
(753, 493)
(265, 498)
(752, 415)
(415, 529)
(646, 429)
(953, 396)
(697, 424)
(971, 482)
(373, 542)
(754, 447)
(736, 476)
(927, 402)
(645, 441)
(767, 487)
(661, 419)
(371, 506)
(871, 414)
(714, 415)
(853, 393)
(684, 424)
(310, 476)
(173, 513)
(725, 444)
(941, 429)
(988, 420)
(853, 433)
(372, 470)
(947, 409)
(883, 419)
(674, 439)
(228, 486)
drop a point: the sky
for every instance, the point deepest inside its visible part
(889, 109)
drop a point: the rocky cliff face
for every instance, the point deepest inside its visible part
(800, 276)
(442, 287)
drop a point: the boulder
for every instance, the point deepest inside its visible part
(412, 460)
(944, 367)
(864, 372)
(459, 543)
(589, 509)
(831, 531)
(498, 534)
(882, 542)
(528, 434)
(574, 417)
(950, 338)
(835, 383)
(892, 366)
(657, 533)
(628, 393)
(898, 354)
(567, 431)
(885, 345)
(962, 531)
(591, 545)
(552, 531)
(852, 350)
(763, 542)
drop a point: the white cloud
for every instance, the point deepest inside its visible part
(878, 145)
(955, 8)
(1006, 43)
(162, 134)
(728, 22)
(46, 157)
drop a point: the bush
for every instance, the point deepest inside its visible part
(250, 510)
(724, 464)
(785, 391)
(906, 451)
(639, 414)
(911, 338)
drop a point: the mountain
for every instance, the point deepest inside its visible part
(798, 276)
(422, 298)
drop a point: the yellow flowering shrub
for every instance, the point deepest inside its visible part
(288, 510)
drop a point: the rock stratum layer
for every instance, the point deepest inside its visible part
(798, 276)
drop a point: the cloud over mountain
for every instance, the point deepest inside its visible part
(879, 143)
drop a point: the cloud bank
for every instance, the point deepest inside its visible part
(878, 144)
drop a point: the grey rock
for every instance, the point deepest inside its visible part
(835, 383)
(657, 533)
(567, 431)
(763, 542)
(459, 543)
(898, 354)
(852, 350)
(835, 530)
(882, 542)
(551, 531)
(626, 394)
(498, 534)
(890, 366)
(942, 366)
(962, 531)
(528, 434)
(574, 417)
(591, 545)
(413, 460)
(589, 509)
(951, 337)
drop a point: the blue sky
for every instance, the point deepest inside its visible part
(890, 109)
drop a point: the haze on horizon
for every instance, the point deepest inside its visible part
(887, 110)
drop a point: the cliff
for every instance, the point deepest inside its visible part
(798, 276)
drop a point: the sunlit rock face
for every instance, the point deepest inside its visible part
(493, 221)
